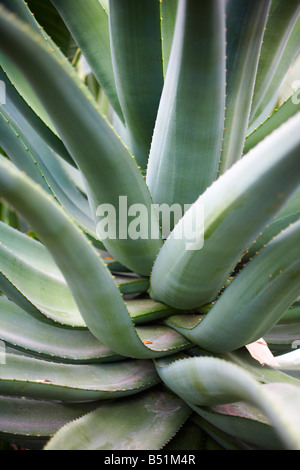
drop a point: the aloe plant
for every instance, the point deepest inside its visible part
(116, 333)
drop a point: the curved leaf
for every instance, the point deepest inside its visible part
(199, 256)
(103, 310)
(24, 109)
(280, 115)
(147, 422)
(254, 301)
(105, 155)
(244, 422)
(35, 378)
(289, 214)
(15, 145)
(44, 339)
(208, 381)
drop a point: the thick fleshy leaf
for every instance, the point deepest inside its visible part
(223, 439)
(14, 143)
(47, 15)
(36, 420)
(35, 155)
(245, 23)
(281, 21)
(194, 264)
(168, 11)
(292, 315)
(43, 339)
(283, 338)
(255, 300)
(88, 23)
(290, 362)
(280, 115)
(103, 310)
(185, 153)
(48, 292)
(137, 61)
(262, 372)
(20, 10)
(208, 381)
(288, 215)
(24, 109)
(35, 378)
(244, 422)
(146, 422)
(78, 120)
(29, 267)
(272, 94)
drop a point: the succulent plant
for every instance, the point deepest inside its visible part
(117, 330)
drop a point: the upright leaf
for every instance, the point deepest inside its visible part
(88, 23)
(281, 21)
(137, 61)
(168, 11)
(49, 18)
(245, 23)
(272, 93)
(185, 152)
